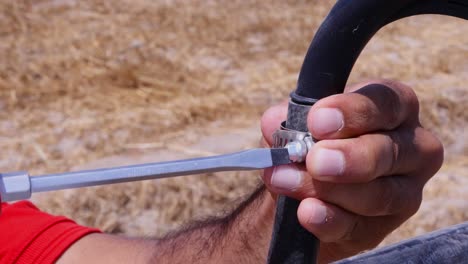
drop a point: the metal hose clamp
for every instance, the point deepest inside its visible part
(298, 143)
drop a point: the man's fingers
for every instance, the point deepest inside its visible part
(328, 222)
(384, 105)
(271, 121)
(364, 158)
(384, 196)
(335, 225)
(332, 224)
(374, 107)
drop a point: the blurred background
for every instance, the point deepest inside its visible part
(88, 84)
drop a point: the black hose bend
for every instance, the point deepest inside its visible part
(326, 68)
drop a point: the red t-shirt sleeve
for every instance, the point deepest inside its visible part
(28, 235)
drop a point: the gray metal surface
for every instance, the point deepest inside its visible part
(298, 143)
(245, 160)
(15, 186)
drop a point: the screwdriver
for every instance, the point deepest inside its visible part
(20, 185)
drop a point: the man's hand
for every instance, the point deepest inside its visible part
(361, 181)
(366, 174)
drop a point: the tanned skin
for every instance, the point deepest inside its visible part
(362, 180)
(241, 237)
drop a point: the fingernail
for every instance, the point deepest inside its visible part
(318, 214)
(286, 177)
(328, 162)
(326, 121)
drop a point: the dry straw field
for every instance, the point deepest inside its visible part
(87, 84)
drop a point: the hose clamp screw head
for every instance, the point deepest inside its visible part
(298, 143)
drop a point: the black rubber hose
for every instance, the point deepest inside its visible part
(344, 34)
(325, 71)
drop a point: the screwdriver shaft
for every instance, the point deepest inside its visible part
(244, 160)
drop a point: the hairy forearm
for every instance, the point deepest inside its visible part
(241, 237)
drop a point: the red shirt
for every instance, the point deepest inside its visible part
(28, 235)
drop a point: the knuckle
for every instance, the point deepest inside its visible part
(411, 199)
(350, 232)
(412, 99)
(395, 150)
(434, 145)
(414, 203)
(432, 149)
(404, 151)
(392, 108)
(407, 95)
(398, 195)
(370, 170)
(360, 165)
(373, 155)
(362, 114)
(400, 99)
(437, 151)
(379, 103)
(386, 200)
